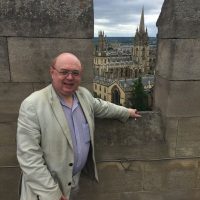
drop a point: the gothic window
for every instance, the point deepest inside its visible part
(115, 95)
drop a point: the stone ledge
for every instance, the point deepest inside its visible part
(179, 19)
(139, 138)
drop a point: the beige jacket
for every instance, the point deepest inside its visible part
(44, 144)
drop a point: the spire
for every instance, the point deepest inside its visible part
(142, 28)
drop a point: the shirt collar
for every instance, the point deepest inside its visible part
(75, 102)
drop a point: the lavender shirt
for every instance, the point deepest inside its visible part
(79, 132)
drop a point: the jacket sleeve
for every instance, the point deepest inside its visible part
(105, 109)
(30, 155)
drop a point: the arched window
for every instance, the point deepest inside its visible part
(115, 95)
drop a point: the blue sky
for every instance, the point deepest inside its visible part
(122, 17)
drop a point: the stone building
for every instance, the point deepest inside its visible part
(117, 66)
(141, 46)
(119, 91)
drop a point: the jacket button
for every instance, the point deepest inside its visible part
(69, 183)
(70, 164)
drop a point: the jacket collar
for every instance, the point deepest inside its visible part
(85, 107)
(59, 114)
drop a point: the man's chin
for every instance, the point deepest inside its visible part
(69, 92)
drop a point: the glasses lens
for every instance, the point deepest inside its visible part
(67, 72)
(75, 73)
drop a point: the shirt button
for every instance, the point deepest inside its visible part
(70, 164)
(69, 183)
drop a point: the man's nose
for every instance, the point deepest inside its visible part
(69, 76)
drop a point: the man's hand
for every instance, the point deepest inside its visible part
(63, 198)
(134, 113)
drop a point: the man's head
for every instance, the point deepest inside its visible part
(66, 72)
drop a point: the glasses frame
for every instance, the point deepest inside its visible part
(66, 72)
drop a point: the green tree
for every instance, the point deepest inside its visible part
(139, 96)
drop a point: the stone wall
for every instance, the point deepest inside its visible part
(177, 86)
(178, 76)
(32, 33)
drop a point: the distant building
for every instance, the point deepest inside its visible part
(141, 46)
(117, 66)
(120, 91)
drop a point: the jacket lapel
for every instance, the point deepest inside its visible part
(59, 114)
(86, 112)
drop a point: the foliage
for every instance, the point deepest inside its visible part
(139, 98)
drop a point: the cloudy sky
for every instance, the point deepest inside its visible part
(122, 17)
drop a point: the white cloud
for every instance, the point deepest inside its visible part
(122, 17)
(101, 21)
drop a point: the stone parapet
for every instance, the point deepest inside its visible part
(30, 58)
(136, 139)
(170, 63)
(149, 180)
(171, 98)
(47, 18)
(179, 19)
(32, 33)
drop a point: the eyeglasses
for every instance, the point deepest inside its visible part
(66, 72)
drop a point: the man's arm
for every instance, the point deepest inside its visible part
(30, 156)
(110, 110)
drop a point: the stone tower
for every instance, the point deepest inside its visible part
(102, 43)
(141, 45)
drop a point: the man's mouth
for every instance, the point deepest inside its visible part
(68, 84)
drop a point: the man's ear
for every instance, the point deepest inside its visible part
(51, 70)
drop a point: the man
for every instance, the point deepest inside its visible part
(55, 132)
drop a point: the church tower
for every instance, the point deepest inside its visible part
(141, 46)
(102, 44)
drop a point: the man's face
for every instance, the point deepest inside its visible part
(66, 74)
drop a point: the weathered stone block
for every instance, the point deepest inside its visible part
(11, 96)
(171, 132)
(9, 181)
(179, 19)
(8, 134)
(98, 196)
(8, 155)
(47, 18)
(114, 177)
(30, 58)
(161, 94)
(138, 139)
(198, 176)
(181, 104)
(8, 144)
(147, 129)
(188, 138)
(4, 65)
(175, 102)
(164, 195)
(170, 175)
(170, 62)
(39, 86)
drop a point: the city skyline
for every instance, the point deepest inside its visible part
(120, 18)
